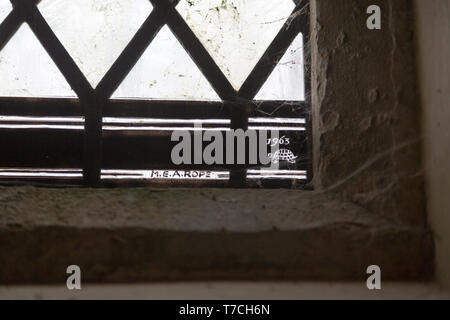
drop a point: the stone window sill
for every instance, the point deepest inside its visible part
(123, 235)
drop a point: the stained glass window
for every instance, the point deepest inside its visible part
(114, 78)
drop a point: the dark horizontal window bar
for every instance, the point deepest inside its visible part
(47, 107)
(48, 133)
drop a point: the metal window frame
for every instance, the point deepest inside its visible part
(238, 104)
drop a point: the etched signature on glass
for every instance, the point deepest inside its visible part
(282, 155)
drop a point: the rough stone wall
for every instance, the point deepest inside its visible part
(365, 108)
(433, 34)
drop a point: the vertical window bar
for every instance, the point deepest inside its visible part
(92, 107)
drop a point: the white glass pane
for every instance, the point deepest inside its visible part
(166, 71)
(28, 71)
(5, 9)
(95, 32)
(236, 32)
(287, 81)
